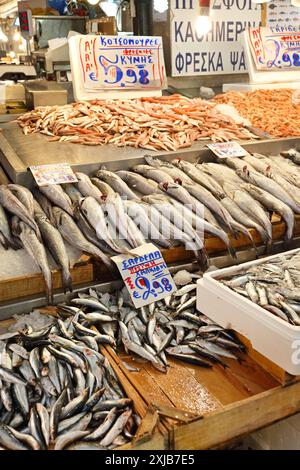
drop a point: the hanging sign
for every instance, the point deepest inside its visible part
(117, 62)
(218, 51)
(145, 275)
(227, 149)
(57, 173)
(272, 50)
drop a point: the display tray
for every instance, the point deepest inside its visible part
(157, 435)
(18, 152)
(199, 408)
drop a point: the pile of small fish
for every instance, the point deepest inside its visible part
(161, 123)
(273, 284)
(171, 327)
(275, 111)
(58, 391)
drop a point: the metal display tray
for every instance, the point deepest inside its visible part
(18, 152)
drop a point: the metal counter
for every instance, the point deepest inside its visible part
(18, 152)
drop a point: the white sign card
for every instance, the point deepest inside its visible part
(57, 173)
(145, 275)
(120, 62)
(219, 51)
(274, 50)
(227, 149)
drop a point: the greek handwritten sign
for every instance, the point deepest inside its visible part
(116, 62)
(53, 174)
(228, 149)
(274, 49)
(145, 275)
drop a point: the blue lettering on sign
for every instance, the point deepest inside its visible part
(151, 288)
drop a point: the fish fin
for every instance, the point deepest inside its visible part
(66, 281)
(4, 242)
(232, 251)
(202, 259)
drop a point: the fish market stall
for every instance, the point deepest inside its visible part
(190, 406)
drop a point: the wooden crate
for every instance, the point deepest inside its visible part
(157, 438)
(33, 284)
(228, 403)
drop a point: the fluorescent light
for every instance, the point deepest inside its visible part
(203, 25)
(161, 5)
(93, 2)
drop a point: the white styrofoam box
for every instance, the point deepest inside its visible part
(273, 337)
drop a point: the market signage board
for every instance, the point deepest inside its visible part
(145, 275)
(227, 149)
(274, 50)
(218, 52)
(117, 64)
(282, 13)
(58, 173)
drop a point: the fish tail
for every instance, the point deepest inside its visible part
(202, 259)
(4, 241)
(252, 241)
(231, 251)
(66, 281)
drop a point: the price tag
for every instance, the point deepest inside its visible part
(275, 49)
(116, 62)
(58, 173)
(145, 275)
(228, 150)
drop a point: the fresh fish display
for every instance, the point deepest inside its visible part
(258, 106)
(273, 284)
(171, 327)
(154, 123)
(57, 403)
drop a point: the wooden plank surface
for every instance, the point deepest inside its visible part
(238, 419)
(23, 286)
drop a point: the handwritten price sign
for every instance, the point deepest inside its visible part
(274, 49)
(115, 62)
(145, 275)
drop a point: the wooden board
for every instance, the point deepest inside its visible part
(229, 402)
(23, 286)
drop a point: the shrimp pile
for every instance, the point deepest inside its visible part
(273, 111)
(163, 123)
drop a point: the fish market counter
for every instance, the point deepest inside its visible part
(18, 152)
(190, 407)
(194, 408)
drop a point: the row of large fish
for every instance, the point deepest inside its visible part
(164, 202)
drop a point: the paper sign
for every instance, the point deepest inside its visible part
(145, 275)
(58, 173)
(275, 48)
(117, 62)
(228, 150)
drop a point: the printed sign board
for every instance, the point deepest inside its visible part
(220, 50)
